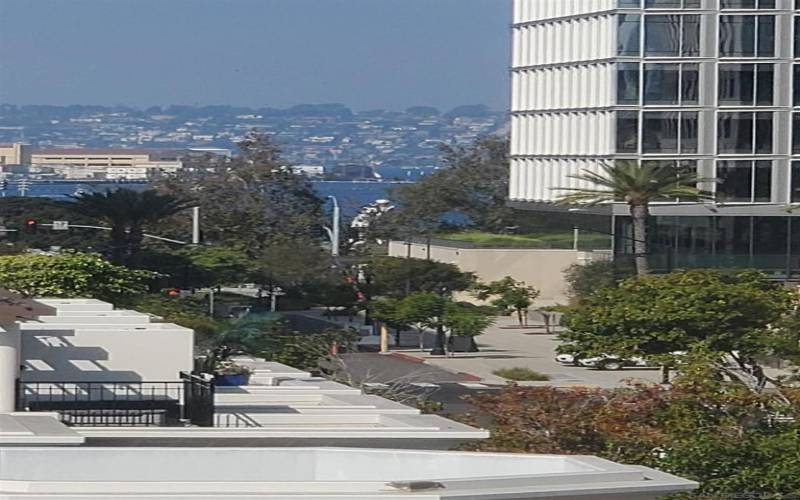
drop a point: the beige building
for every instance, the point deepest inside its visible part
(15, 154)
(113, 164)
(541, 268)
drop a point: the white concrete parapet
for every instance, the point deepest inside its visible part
(301, 473)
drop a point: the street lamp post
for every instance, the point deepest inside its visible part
(334, 232)
(195, 225)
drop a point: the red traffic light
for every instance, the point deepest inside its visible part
(31, 225)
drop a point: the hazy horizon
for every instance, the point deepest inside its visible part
(364, 54)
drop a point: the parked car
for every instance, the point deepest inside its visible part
(567, 359)
(611, 362)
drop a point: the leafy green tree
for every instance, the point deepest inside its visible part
(217, 265)
(292, 264)
(509, 294)
(427, 310)
(270, 337)
(462, 319)
(637, 185)
(14, 211)
(424, 310)
(251, 200)
(585, 279)
(398, 277)
(71, 275)
(702, 428)
(656, 316)
(387, 311)
(128, 212)
(472, 183)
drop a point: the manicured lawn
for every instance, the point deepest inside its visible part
(587, 241)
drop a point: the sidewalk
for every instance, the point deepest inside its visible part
(511, 348)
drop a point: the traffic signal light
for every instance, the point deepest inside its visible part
(31, 226)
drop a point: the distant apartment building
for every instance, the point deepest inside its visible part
(14, 154)
(710, 85)
(111, 164)
(311, 171)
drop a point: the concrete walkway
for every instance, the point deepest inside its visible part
(512, 347)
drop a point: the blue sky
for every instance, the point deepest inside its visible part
(366, 54)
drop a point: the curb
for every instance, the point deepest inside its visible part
(407, 357)
(468, 377)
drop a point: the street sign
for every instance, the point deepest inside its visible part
(61, 225)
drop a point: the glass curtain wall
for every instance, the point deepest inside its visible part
(771, 244)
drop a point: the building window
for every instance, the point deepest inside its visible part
(669, 132)
(745, 133)
(627, 131)
(628, 83)
(796, 134)
(744, 181)
(671, 35)
(747, 4)
(671, 83)
(747, 36)
(796, 33)
(629, 33)
(746, 84)
(671, 4)
(795, 182)
(796, 89)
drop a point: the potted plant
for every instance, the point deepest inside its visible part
(227, 374)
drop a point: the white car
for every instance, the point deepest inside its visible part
(611, 362)
(566, 359)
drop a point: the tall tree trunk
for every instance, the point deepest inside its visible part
(119, 245)
(639, 215)
(438, 348)
(135, 237)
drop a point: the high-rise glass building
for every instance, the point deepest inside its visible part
(711, 85)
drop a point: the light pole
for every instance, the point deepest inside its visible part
(195, 225)
(334, 233)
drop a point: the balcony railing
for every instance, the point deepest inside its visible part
(189, 401)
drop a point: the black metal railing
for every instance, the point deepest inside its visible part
(198, 399)
(189, 401)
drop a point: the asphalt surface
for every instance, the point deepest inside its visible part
(376, 372)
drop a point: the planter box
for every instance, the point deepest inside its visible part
(231, 380)
(462, 344)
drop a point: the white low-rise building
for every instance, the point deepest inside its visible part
(287, 435)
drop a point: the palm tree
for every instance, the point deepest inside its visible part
(127, 212)
(638, 185)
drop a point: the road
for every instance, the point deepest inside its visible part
(378, 372)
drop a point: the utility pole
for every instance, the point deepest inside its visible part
(195, 225)
(335, 231)
(23, 187)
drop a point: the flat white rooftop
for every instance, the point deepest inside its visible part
(33, 429)
(195, 473)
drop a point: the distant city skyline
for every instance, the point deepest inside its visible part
(391, 54)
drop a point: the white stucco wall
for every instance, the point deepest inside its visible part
(111, 353)
(540, 268)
